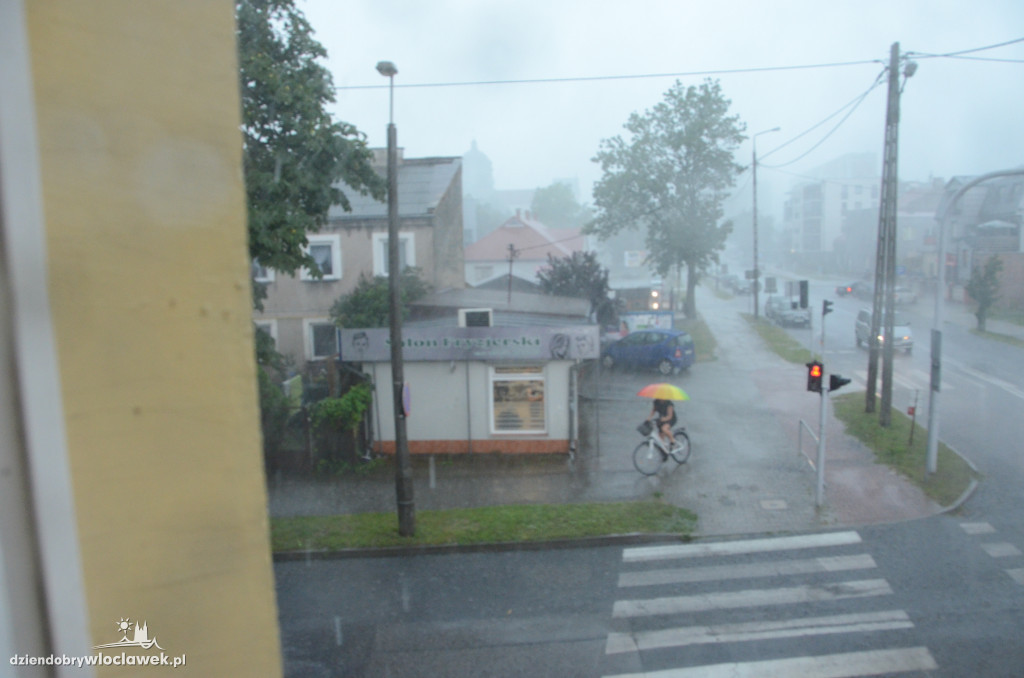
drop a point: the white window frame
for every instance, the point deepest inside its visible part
(261, 273)
(334, 241)
(498, 373)
(380, 246)
(308, 324)
(268, 326)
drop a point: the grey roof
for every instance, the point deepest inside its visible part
(522, 302)
(422, 182)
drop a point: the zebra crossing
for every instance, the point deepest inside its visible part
(997, 549)
(747, 607)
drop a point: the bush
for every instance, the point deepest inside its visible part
(331, 418)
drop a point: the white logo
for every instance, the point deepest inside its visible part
(140, 637)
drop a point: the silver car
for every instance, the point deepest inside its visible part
(903, 337)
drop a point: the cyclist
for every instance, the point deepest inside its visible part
(666, 419)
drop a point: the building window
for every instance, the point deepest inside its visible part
(326, 252)
(268, 327)
(321, 339)
(261, 273)
(406, 252)
(517, 399)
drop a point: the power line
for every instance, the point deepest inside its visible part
(924, 55)
(598, 78)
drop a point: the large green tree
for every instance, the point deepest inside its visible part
(983, 288)
(368, 305)
(580, 275)
(557, 207)
(294, 153)
(670, 177)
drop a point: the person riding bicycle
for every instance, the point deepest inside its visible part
(666, 419)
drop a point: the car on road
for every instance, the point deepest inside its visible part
(844, 290)
(903, 336)
(786, 312)
(668, 351)
(903, 296)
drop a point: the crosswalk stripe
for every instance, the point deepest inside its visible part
(746, 571)
(844, 665)
(977, 528)
(730, 548)
(750, 598)
(1017, 574)
(748, 631)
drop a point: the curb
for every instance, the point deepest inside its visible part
(495, 547)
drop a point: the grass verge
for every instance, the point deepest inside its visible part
(704, 343)
(488, 524)
(778, 340)
(996, 336)
(892, 447)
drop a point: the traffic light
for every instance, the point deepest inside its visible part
(803, 294)
(814, 375)
(826, 307)
(836, 382)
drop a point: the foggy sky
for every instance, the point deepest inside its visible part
(959, 116)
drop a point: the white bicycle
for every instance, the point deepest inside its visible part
(653, 451)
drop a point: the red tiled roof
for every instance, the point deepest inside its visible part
(531, 239)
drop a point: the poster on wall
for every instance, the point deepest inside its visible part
(473, 343)
(646, 320)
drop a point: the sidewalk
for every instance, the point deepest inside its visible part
(745, 476)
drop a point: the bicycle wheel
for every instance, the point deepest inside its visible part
(681, 452)
(647, 458)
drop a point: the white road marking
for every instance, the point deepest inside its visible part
(845, 665)
(730, 548)
(1001, 549)
(977, 528)
(760, 630)
(746, 571)
(751, 598)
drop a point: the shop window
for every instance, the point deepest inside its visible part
(517, 399)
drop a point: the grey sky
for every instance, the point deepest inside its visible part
(959, 116)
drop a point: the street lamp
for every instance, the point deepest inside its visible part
(753, 168)
(403, 467)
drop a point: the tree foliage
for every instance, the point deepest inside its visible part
(580, 275)
(670, 177)
(294, 153)
(983, 288)
(557, 207)
(368, 305)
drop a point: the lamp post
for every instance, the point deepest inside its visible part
(753, 168)
(403, 467)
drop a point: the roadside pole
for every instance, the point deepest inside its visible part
(819, 490)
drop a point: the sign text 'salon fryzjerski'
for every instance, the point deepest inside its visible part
(473, 343)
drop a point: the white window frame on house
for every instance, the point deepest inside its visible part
(334, 241)
(268, 326)
(308, 327)
(406, 242)
(261, 273)
(522, 376)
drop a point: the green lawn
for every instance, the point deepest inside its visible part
(778, 340)
(892, 447)
(489, 524)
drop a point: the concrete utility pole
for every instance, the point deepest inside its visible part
(403, 466)
(753, 172)
(882, 310)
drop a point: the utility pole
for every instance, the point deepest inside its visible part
(403, 465)
(882, 309)
(511, 257)
(753, 172)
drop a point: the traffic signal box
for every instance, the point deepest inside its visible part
(836, 382)
(814, 376)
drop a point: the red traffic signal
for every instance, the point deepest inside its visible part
(815, 370)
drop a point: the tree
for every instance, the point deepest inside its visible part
(671, 177)
(983, 288)
(368, 304)
(580, 275)
(294, 153)
(557, 207)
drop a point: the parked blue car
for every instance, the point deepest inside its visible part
(669, 351)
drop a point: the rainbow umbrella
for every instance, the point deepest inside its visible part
(663, 391)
